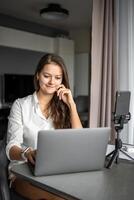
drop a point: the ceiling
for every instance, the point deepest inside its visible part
(79, 18)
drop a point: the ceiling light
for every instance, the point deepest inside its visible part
(54, 12)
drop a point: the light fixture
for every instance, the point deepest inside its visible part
(54, 12)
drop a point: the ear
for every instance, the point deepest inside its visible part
(37, 76)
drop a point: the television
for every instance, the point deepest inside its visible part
(17, 86)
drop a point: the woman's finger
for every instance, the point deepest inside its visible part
(62, 92)
(60, 87)
(31, 156)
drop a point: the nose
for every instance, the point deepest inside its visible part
(52, 80)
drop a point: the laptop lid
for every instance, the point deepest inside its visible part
(70, 150)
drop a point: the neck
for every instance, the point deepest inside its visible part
(44, 99)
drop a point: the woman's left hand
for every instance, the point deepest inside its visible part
(65, 95)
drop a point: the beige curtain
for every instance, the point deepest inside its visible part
(103, 66)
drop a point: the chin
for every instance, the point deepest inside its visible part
(50, 91)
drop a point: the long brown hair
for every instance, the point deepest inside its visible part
(59, 111)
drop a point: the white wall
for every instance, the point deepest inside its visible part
(21, 39)
(81, 39)
(65, 48)
(81, 74)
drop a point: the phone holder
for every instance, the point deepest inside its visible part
(119, 121)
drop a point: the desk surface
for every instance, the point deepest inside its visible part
(110, 184)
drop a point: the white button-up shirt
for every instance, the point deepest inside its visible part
(25, 120)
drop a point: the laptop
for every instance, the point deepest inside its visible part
(63, 151)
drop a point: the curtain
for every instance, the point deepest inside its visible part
(103, 65)
(125, 41)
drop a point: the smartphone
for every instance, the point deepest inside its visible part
(122, 103)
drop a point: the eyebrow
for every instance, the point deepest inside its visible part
(51, 74)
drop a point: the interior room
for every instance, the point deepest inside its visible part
(96, 40)
(21, 26)
(69, 37)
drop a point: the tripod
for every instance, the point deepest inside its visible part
(114, 155)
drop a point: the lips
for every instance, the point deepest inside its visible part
(52, 87)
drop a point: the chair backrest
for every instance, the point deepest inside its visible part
(5, 192)
(4, 186)
(82, 103)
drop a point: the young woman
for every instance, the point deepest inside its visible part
(50, 107)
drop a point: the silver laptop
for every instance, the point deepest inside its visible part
(70, 150)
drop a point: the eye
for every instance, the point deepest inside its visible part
(58, 78)
(46, 76)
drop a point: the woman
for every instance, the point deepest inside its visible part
(50, 107)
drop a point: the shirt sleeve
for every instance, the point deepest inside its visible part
(15, 127)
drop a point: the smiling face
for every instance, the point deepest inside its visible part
(50, 78)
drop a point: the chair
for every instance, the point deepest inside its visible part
(82, 103)
(5, 192)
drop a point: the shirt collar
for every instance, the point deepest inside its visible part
(35, 99)
(36, 104)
